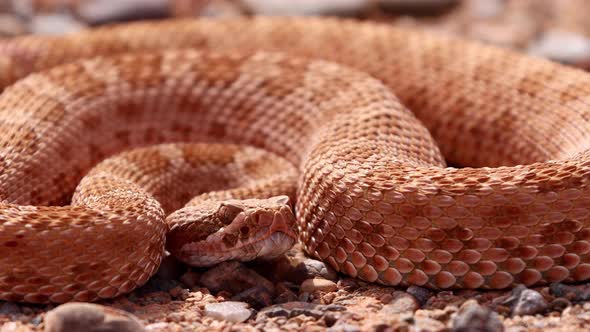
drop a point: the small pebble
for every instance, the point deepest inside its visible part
(400, 302)
(314, 268)
(529, 302)
(54, 24)
(562, 46)
(88, 317)
(317, 284)
(231, 311)
(473, 317)
(420, 293)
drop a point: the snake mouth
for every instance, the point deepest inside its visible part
(261, 233)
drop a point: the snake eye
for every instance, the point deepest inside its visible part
(228, 211)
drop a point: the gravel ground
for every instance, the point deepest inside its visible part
(296, 293)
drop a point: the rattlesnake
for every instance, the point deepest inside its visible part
(373, 197)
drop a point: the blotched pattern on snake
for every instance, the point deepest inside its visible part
(316, 103)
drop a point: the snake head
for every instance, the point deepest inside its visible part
(250, 229)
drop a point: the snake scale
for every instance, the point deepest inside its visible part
(354, 122)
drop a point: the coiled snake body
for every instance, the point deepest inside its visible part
(373, 196)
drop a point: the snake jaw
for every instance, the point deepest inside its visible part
(260, 228)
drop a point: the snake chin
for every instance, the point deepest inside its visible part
(264, 229)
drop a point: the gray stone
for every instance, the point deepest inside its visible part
(420, 293)
(401, 302)
(231, 311)
(54, 24)
(562, 46)
(88, 317)
(315, 268)
(474, 318)
(529, 302)
(577, 293)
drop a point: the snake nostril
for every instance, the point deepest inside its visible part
(244, 230)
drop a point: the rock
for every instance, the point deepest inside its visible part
(231, 311)
(305, 7)
(562, 46)
(317, 284)
(577, 293)
(54, 24)
(417, 7)
(400, 302)
(104, 11)
(88, 317)
(314, 268)
(234, 277)
(474, 318)
(526, 301)
(257, 297)
(421, 294)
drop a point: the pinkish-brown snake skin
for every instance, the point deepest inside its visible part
(373, 197)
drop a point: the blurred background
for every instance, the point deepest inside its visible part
(555, 29)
